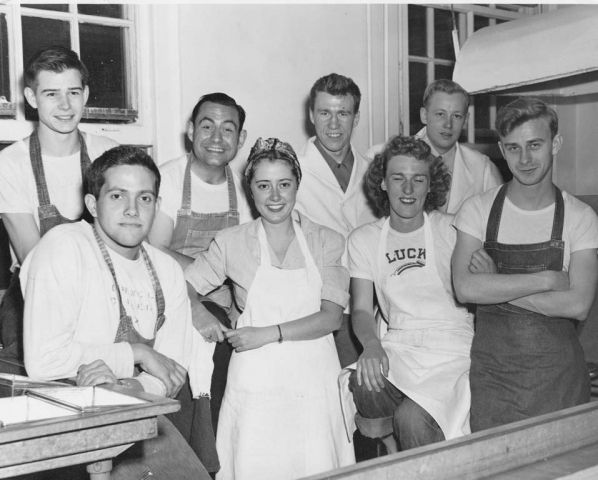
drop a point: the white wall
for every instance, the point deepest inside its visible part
(267, 57)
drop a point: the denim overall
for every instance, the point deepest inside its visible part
(126, 331)
(11, 310)
(523, 363)
(192, 235)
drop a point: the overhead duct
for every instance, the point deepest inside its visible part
(554, 53)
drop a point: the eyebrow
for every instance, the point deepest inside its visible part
(212, 121)
(58, 89)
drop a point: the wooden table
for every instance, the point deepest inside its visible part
(560, 445)
(89, 438)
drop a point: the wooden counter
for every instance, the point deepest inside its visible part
(560, 445)
(89, 438)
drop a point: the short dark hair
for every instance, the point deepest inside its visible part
(57, 59)
(337, 85)
(220, 99)
(95, 176)
(440, 178)
(446, 86)
(522, 110)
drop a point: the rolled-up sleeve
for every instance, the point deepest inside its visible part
(335, 277)
(208, 271)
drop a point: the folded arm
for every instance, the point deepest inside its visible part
(488, 288)
(574, 303)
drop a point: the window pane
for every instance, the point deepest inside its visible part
(417, 30)
(480, 22)
(4, 62)
(101, 10)
(55, 7)
(37, 34)
(443, 71)
(102, 52)
(417, 85)
(443, 40)
(42, 32)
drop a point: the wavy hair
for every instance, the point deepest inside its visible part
(440, 178)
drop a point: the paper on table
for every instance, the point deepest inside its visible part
(26, 409)
(85, 397)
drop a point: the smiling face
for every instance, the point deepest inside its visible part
(529, 150)
(334, 119)
(274, 188)
(215, 135)
(125, 208)
(60, 99)
(407, 183)
(445, 118)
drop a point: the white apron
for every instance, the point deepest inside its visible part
(281, 415)
(428, 341)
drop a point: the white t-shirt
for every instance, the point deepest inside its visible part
(517, 226)
(404, 251)
(137, 292)
(18, 192)
(71, 311)
(205, 197)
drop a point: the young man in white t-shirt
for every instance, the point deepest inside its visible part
(101, 306)
(526, 255)
(201, 195)
(41, 175)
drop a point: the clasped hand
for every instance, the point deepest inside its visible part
(249, 338)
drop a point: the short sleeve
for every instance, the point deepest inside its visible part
(362, 244)
(14, 187)
(470, 218)
(335, 277)
(584, 234)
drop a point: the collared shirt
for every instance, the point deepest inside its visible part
(235, 253)
(449, 160)
(341, 171)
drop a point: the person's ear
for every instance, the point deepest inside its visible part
(30, 96)
(383, 185)
(356, 119)
(190, 130)
(423, 115)
(242, 138)
(557, 143)
(91, 204)
(311, 116)
(85, 94)
(466, 122)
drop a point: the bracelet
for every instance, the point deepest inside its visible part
(279, 334)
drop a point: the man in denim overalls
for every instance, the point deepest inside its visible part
(41, 175)
(202, 195)
(526, 255)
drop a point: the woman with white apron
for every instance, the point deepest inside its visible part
(415, 380)
(281, 416)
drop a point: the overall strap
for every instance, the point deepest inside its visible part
(160, 303)
(186, 194)
(37, 164)
(495, 214)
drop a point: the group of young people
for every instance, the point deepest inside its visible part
(249, 304)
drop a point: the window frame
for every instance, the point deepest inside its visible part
(465, 23)
(138, 131)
